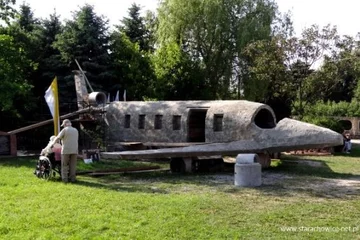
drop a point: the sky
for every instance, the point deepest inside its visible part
(342, 13)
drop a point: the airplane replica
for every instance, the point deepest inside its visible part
(188, 131)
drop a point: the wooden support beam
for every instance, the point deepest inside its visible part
(13, 145)
(118, 170)
(32, 126)
(158, 144)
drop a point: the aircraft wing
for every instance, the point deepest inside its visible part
(231, 148)
(288, 135)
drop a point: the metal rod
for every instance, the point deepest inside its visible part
(87, 81)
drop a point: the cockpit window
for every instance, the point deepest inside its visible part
(264, 119)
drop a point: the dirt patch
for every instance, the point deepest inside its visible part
(339, 188)
(267, 178)
(277, 184)
(299, 185)
(305, 162)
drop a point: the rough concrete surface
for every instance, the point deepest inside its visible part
(286, 136)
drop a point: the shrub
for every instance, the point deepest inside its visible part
(326, 122)
(329, 109)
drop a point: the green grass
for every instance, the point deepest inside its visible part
(162, 205)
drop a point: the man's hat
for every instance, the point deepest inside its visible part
(66, 121)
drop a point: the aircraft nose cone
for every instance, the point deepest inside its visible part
(290, 134)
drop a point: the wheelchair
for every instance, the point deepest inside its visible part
(47, 167)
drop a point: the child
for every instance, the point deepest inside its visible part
(347, 143)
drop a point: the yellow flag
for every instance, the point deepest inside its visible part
(52, 100)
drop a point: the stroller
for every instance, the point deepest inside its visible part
(47, 167)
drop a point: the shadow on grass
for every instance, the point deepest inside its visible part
(308, 167)
(291, 176)
(314, 177)
(355, 151)
(30, 162)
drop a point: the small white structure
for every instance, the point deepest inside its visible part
(247, 172)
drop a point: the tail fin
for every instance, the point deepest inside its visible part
(81, 90)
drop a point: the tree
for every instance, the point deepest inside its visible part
(312, 46)
(86, 39)
(267, 73)
(50, 62)
(132, 68)
(267, 78)
(26, 31)
(135, 29)
(300, 78)
(12, 61)
(27, 21)
(7, 12)
(50, 56)
(25, 34)
(344, 67)
(290, 60)
(178, 76)
(251, 21)
(337, 78)
(151, 24)
(13, 85)
(131, 47)
(214, 33)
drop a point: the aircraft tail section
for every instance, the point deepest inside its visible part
(82, 94)
(84, 99)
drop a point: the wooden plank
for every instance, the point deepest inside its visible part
(175, 144)
(32, 126)
(158, 144)
(208, 157)
(150, 155)
(126, 143)
(119, 172)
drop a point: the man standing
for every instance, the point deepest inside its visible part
(69, 152)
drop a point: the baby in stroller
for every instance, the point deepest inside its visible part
(49, 162)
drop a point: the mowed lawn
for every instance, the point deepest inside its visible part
(311, 198)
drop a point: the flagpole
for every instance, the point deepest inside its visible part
(57, 114)
(52, 99)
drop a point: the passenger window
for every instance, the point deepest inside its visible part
(141, 122)
(218, 122)
(176, 122)
(158, 121)
(127, 121)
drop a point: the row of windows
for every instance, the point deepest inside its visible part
(176, 122)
